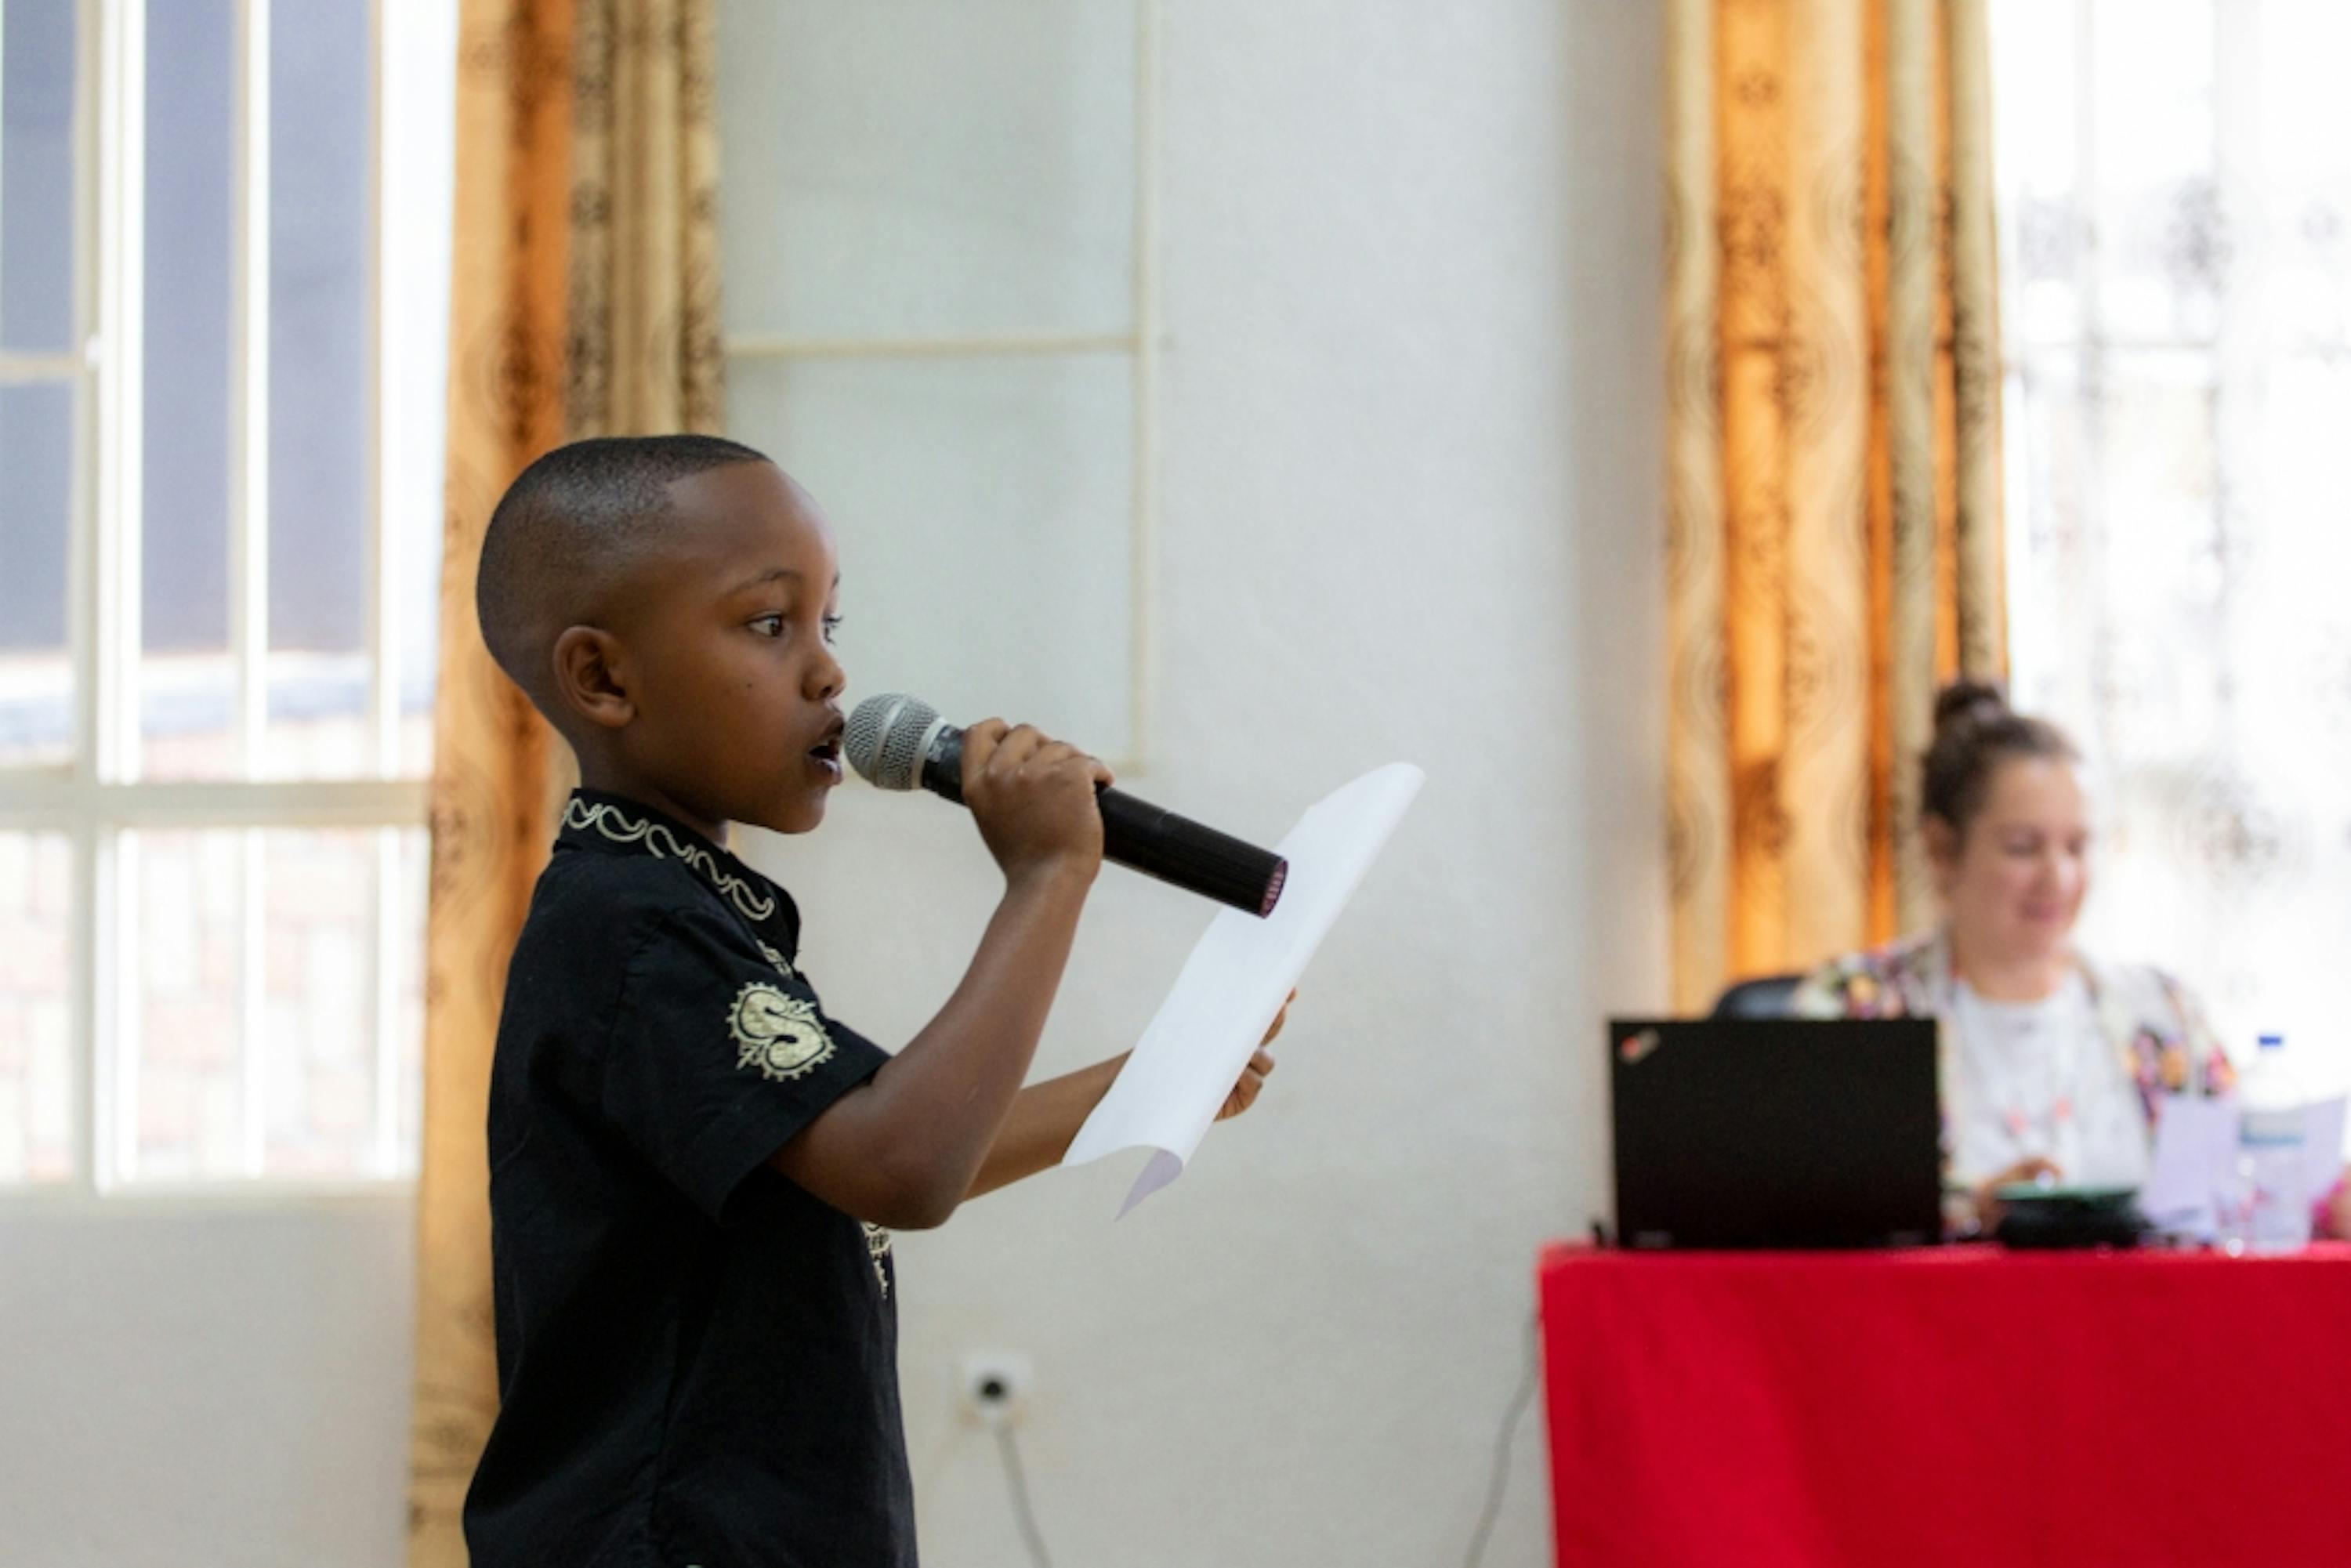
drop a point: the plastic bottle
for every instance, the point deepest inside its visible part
(2269, 1154)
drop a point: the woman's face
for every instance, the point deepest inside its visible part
(2014, 883)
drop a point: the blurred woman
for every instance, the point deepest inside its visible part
(2053, 1064)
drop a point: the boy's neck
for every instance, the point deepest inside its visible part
(602, 774)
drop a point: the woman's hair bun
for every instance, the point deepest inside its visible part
(1975, 730)
(1968, 702)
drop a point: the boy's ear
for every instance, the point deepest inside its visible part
(587, 676)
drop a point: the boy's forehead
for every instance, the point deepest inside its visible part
(751, 518)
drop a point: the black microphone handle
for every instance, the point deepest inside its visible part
(1150, 839)
(943, 765)
(1158, 842)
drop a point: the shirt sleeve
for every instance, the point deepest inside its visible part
(1821, 994)
(716, 1057)
(2210, 1071)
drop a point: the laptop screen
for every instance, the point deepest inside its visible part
(1775, 1132)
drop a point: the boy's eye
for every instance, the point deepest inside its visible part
(772, 625)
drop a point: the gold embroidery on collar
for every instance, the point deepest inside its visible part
(877, 1248)
(623, 829)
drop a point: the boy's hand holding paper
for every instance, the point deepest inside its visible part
(1191, 1059)
(1252, 1078)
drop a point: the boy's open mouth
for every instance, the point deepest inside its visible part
(826, 753)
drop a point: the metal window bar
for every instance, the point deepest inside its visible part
(249, 389)
(93, 42)
(248, 549)
(383, 639)
(384, 618)
(107, 629)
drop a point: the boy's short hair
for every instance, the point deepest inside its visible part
(566, 532)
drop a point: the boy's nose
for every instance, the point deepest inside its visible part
(827, 679)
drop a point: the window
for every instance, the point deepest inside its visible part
(2176, 225)
(223, 303)
(941, 315)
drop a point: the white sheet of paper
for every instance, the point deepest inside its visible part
(2196, 1156)
(2195, 1153)
(1234, 984)
(2321, 1146)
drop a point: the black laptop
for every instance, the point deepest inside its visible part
(1775, 1132)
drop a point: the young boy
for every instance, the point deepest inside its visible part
(694, 1168)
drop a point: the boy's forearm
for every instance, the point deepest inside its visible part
(1042, 1121)
(904, 1150)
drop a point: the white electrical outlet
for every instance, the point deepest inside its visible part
(994, 1382)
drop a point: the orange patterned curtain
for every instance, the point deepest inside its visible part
(584, 299)
(645, 347)
(1834, 435)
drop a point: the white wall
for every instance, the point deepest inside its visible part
(1411, 509)
(220, 1385)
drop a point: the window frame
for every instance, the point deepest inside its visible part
(97, 796)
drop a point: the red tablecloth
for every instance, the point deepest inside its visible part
(1949, 1405)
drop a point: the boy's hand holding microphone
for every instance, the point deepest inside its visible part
(1033, 799)
(901, 742)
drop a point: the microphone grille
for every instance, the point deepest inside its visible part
(884, 739)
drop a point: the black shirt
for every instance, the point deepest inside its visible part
(697, 1360)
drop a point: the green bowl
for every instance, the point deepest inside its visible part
(2025, 1192)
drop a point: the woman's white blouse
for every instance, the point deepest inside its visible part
(2039, 1079)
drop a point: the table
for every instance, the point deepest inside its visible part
(1949, 1405)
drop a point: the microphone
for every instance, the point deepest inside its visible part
(896, 742)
